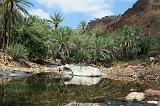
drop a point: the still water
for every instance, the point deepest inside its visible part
(41, 91)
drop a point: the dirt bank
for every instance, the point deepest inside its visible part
(7, 63)
(133, 72)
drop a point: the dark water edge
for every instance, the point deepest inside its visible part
(35, 91)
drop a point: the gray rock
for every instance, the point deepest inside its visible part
(87, 71)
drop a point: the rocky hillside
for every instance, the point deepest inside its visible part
(103, 22)
(144, 14)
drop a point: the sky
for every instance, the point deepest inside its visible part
(75, 11)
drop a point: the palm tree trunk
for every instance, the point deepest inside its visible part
(4, 36)
(10, 23)
(7, 25)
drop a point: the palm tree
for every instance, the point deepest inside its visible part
(131, 41)
(82, 27)
(56, 19)
(11, 8)
(62, 44)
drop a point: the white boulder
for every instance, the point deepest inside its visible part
(138, 96)
(87, 71)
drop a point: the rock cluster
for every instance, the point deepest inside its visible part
(139, 72)
(140, 96)
(125, 72)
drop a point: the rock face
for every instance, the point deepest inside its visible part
(103, 22)
(142, 7)
(144, 14)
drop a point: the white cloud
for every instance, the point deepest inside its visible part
(95, 8)
(39, 12)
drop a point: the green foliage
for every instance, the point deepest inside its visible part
(61, 44)
(97, 31)
(98, 46)
(17, 51)
(56, 19)
(80, 52)
(131, 42)
(102, 48)
(82, 27)
(11, 11)
(155, 43)
(32, 34)
(34, 37)
(81, 55)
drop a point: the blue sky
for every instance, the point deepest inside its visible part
(76, 10)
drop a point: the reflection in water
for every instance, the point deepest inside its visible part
(14, 73)
(35, 91)
(77, 80)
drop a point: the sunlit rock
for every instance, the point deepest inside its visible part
(138, 96)
(77, 80)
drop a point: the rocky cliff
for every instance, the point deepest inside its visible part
(144, 14)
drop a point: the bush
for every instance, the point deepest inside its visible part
(102, 48)
(81, 55)
(131, 42)
(128, 43)
(155, 43)
(33, 34)
(17, 51)
(61, 43)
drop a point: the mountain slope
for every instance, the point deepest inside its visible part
(144, 14)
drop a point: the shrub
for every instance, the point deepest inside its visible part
(33, 34)
(17, 51)
(155, 43)
(61, 42)
(98, 31)
(81, 55)
(131, 42)
(103, 48)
